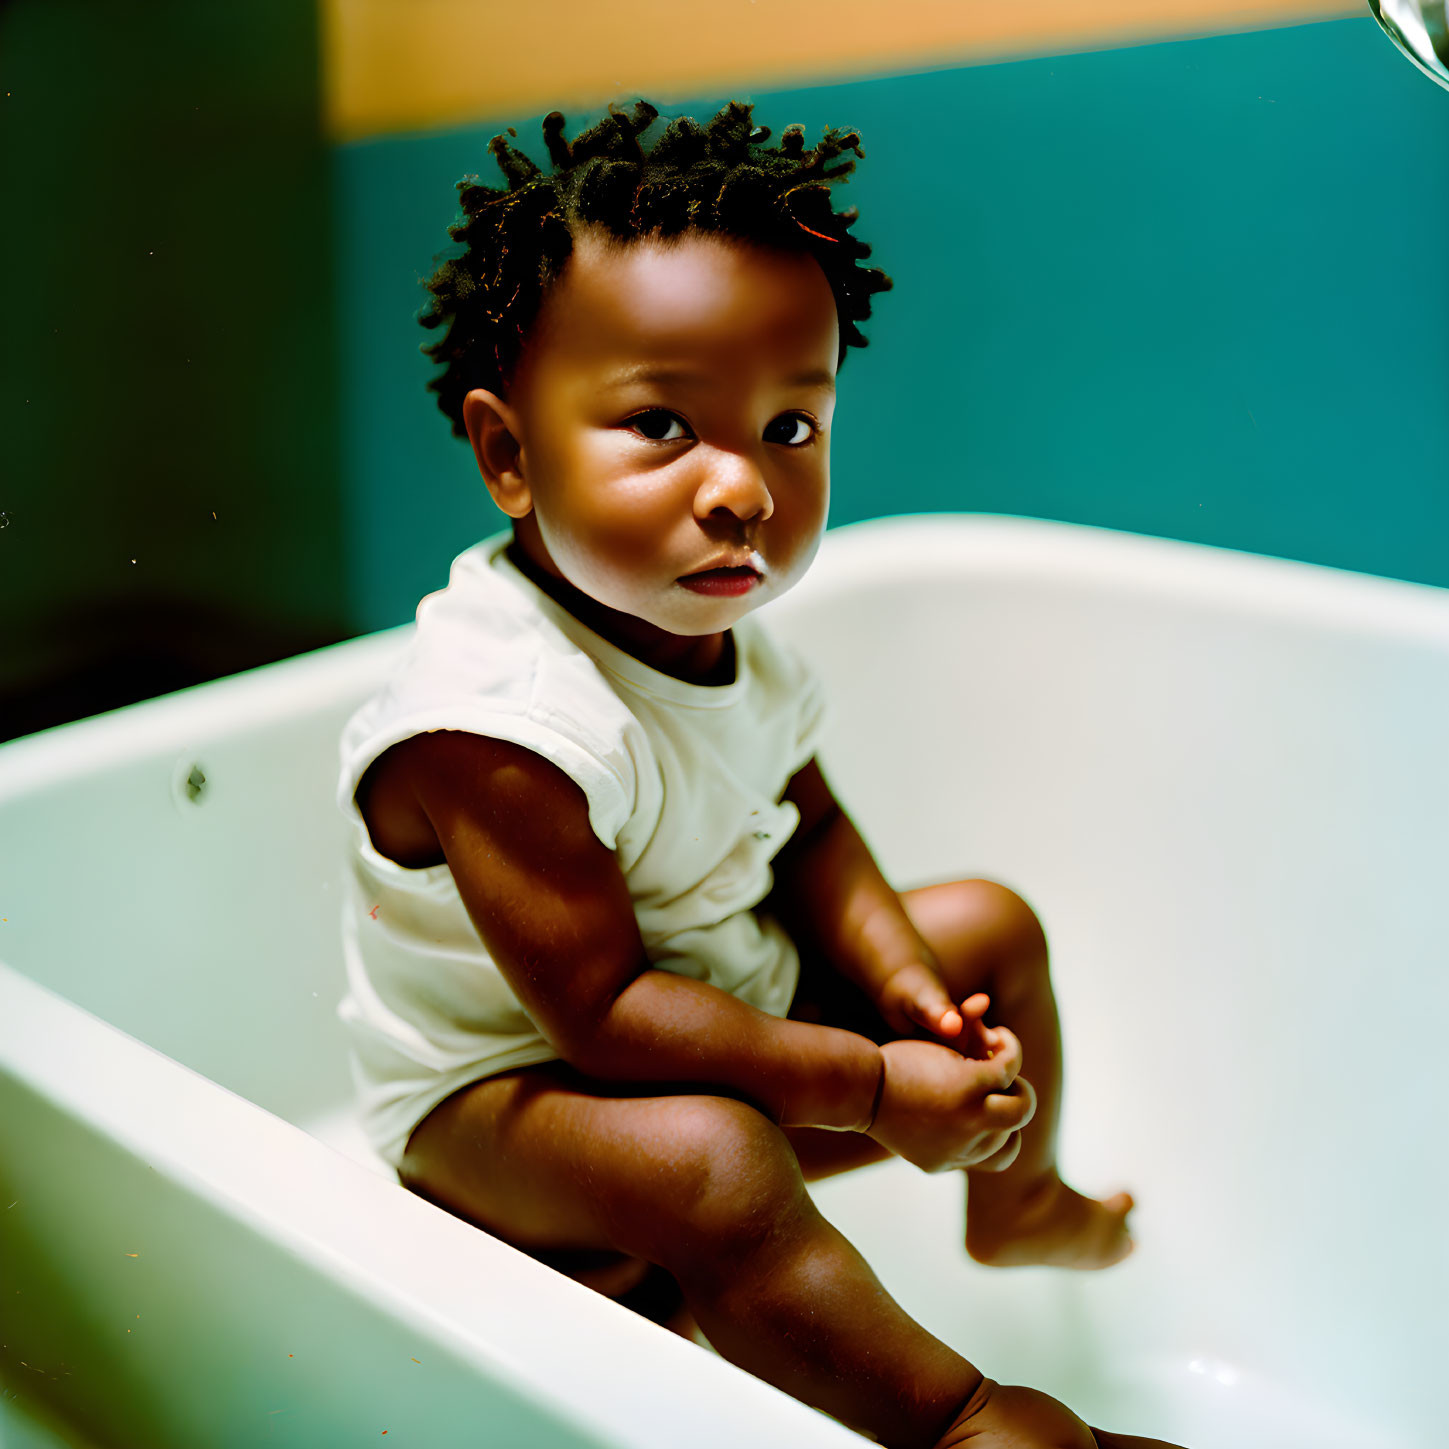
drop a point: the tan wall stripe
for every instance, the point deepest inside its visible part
(411, 65)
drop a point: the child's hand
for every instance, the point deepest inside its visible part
(940, 1110)
(915, 999)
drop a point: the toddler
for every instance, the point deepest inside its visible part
(622, 975)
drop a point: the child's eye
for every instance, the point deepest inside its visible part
(652, 419)
(790, 419)
(643, 422)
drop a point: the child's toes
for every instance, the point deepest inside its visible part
(1114, 1244)
(1113, 1237)
(1056, 1226)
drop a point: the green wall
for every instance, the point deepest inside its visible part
(170, 351)
(1192, 289)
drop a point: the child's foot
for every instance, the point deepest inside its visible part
(1047, 1223)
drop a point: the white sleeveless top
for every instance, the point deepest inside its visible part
(683, 783)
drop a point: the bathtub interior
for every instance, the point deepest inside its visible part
(200, 917)
(1218, 779)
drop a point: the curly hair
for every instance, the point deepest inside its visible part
(717, 179)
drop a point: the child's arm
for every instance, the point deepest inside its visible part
(829, 890)
(553, 908)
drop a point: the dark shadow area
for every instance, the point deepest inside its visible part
(144, 649)
(170, 486)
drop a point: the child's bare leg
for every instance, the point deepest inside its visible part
(710, 1190)
(986, 938)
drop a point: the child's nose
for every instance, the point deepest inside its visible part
(738, 488)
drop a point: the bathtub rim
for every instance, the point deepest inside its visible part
(1174, 570)
(991, 545)
(405, 1256)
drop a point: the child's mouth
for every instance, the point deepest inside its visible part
(727, 582)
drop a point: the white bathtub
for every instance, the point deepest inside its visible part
(1221, 780)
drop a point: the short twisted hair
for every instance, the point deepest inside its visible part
(716, 179)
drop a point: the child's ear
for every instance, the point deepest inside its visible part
(492, 430)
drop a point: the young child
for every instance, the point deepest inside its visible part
(622, 974)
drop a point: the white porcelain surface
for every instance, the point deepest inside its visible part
(1221, 781)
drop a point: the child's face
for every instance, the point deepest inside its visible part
(626, 486)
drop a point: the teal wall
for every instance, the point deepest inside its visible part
(1193, 289)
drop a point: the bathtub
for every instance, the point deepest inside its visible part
(1222, 781)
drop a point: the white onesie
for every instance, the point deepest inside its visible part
(683, 783)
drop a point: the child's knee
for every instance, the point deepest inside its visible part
(1020, 938)
(995, 942)
(727, 1183)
